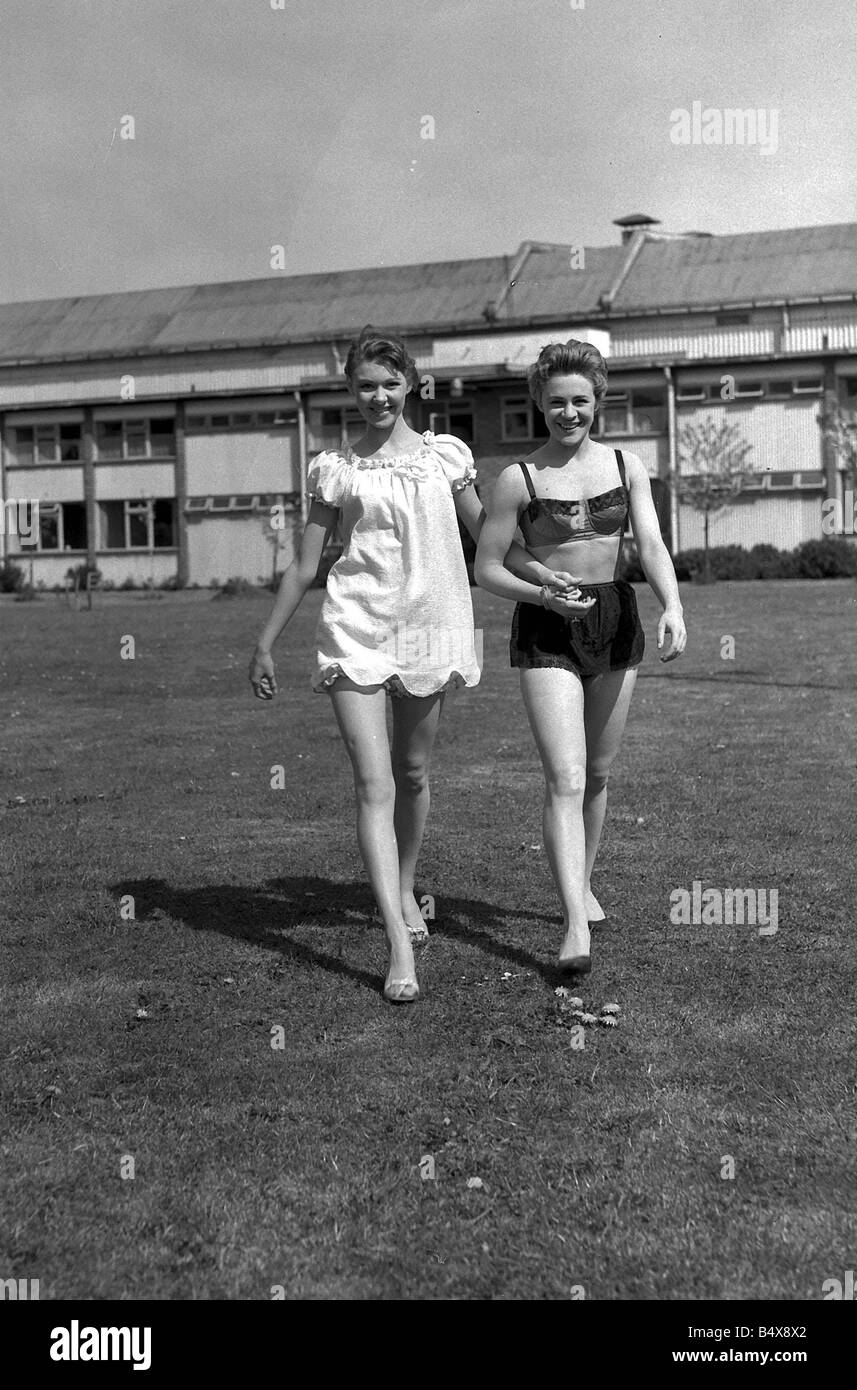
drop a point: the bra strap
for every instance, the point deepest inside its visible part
(530, 489)
(621, 466)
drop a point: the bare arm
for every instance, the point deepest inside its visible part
(293, 585)
(517, 560)
(655, 559)
(495, 541)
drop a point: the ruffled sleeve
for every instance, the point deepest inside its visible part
(324, 479)
(457, 460)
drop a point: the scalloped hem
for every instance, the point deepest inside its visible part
(394, 685)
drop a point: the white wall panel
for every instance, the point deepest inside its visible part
(784, 434)
(130, 480)
(243, 461)
(47, 484)
(762, 519)
(220, 547)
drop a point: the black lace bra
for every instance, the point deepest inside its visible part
(556, 521)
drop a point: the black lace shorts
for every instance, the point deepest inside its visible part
(607, 638)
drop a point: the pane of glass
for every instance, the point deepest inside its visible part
(614, 421)
(74, 526)
(48, 530)
(265, 417)
(220, 421)
(195, 422)
(112, 525)
(109, 439)
(163, 523)
(516, 424)
(23, 445)
(162, 427)
(242, 419)
(135, 440)
(138, 530)
(461, 424)
(46, 445)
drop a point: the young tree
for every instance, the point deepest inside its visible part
(715, 456)
(839, 431)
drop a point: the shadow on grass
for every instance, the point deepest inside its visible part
(739, 678)
(265, 914)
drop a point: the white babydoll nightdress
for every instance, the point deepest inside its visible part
(397, 610)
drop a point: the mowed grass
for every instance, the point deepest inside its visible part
(299, 1167)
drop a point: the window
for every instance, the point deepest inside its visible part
(62, 526)
(138, 525)
(456, 418)
(241, 420)
(108, 439)
(691, 393)
(45, 443)
(731, 320)
(259, 502)
(49, 526)
(516, 418)
(134, 438)
(69, 443)
(648, 412)
(162, 438)
(332, 427)
(112, 525)
(808, 386)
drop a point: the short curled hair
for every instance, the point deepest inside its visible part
(573, 358)
(371, 345)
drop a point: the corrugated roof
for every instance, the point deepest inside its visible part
(549, 284)
(803, 262)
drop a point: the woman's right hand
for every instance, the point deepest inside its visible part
(569, 604)
(262, 676)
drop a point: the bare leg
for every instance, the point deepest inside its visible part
(362, 717)
(607, 699)
(415, 724)
(554, 703)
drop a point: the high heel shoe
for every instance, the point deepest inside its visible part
(405, 991)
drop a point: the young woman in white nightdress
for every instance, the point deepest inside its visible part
(396, 618)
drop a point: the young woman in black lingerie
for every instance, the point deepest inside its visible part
(577, 651)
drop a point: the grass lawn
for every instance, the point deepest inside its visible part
(254, 1166)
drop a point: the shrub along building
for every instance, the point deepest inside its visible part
(157, 429)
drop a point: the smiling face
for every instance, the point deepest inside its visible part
(380, 393)
(568, 405)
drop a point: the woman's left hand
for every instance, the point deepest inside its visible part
(672, 622)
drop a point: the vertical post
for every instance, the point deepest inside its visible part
(183, 559)
(673, 460)
(3, 486)
(302, 458)
(88, 449)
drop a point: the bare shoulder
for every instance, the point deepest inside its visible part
(508, 492)
(635, 470)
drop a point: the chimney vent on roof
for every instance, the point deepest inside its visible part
(634, 222)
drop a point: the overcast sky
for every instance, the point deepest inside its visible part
(301, 126)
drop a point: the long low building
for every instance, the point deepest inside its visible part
(165, 433)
